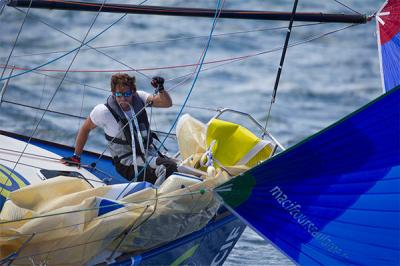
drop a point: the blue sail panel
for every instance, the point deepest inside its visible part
(334, 198)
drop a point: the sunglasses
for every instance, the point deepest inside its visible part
(125, 94)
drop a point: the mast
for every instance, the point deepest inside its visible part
(189, 12)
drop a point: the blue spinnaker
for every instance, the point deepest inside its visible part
(333, 198)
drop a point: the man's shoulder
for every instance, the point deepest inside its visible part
(99, 113)
(143, 95)
(100, 108)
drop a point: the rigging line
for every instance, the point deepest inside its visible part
(34, 155)
(308, 40)
(53, 96)
(15, 254)
(38, 156)
(44, 110)
(126, 204)
(16, 40)
(314, 37)
(130, 120)
(170, 40)
(64, 55)
(217, 13)
(278, 75)
(245, 57)
(40, 103)
(133, 117)
(93, 241)
(198, 107)
(108, 215)
(91, 47)
(105, 216)
(83, 100)
(127, 232)
(93, 219)
(39, 72)
(346, 6)
(148, 140)
(40, 168)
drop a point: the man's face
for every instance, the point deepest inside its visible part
(123, 95)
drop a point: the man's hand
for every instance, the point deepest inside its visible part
(74, 160)
(158, 83)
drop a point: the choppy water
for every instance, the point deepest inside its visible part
(321, 82)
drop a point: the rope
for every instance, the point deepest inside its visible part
(59, 86)
(170, 66)
(245, 57)
(198, 107)
(90, 47)
(346, 6)
(53, 96)
(16, 40)
(312, 38)
(41, 168)
(217, 12)
(226, 34)
(64, 55)
(156, 198)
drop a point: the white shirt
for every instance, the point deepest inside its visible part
(101, 116)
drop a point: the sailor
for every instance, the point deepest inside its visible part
(127, 129)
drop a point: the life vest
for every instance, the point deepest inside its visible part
(121, 146)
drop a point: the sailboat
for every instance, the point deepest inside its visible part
(343, 210)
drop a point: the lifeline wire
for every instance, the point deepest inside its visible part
(346, 6)
(156, 198)
(162, 67)
(235, 60)
(238, 59)
(53, 96)
(64, 55)
(217, 12)
(226, 34)
(133, 117)
(91, 47)
(16, 40)
(227, 61)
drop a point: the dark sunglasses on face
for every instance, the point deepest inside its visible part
(125, 94)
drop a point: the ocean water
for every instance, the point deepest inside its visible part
(322, 80)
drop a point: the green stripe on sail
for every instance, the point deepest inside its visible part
(237, 190)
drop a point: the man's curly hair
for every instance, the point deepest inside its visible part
(123, 80)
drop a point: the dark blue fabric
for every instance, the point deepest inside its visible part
(391, 62)
(106, 206)
(139, 186)
(345, 182)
